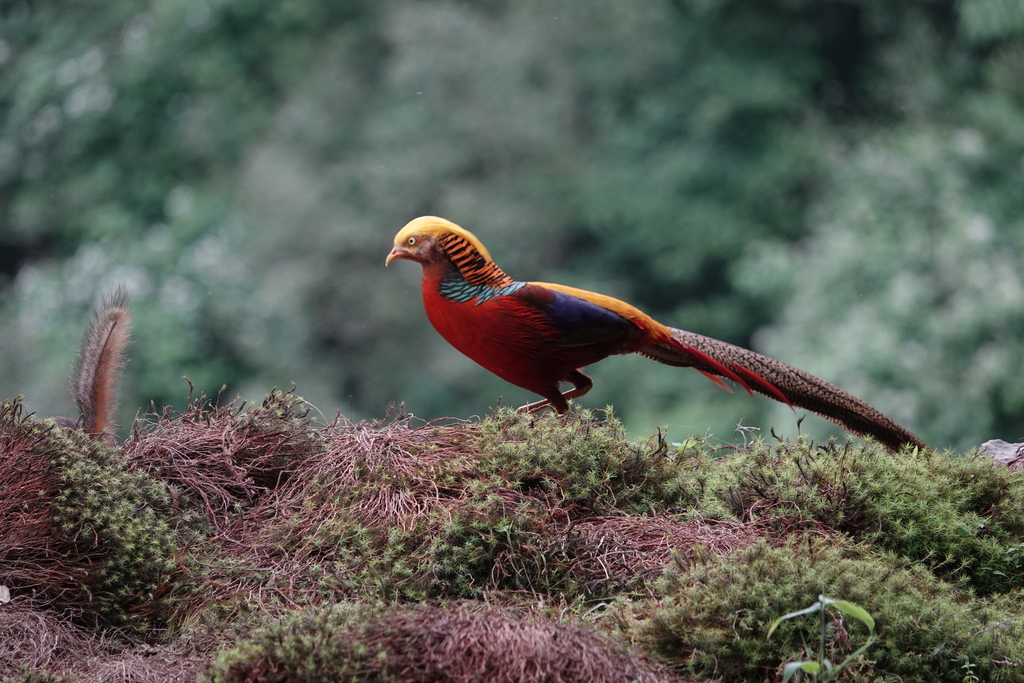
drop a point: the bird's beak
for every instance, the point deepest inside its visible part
(396, 253)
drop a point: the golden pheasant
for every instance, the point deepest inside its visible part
(537, 335)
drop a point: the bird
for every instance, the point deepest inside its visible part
(538, 335)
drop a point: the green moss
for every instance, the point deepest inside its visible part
(717, 609)
(485, 543)
(492, 542)
(961, 516)
(501, 521)
(508, 528)
(102, 502)
(323, 645)
(375, 643)
(581, 459)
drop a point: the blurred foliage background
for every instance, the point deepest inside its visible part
(836, 183)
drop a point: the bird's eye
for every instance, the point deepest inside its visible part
(411, 241)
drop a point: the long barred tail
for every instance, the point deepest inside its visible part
(100, 360)
(783, 382)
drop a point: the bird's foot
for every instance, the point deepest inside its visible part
(560, 403)
(536, 406)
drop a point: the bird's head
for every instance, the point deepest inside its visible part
(421, 240)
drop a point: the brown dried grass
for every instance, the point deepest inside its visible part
(404, 462)
(39, 640)
(269, 544)
(224, 457)
(463, 644)
(434, 645)
(624, 553)
(266, 478)
(255, 488)
(177, 662)
(38, 562)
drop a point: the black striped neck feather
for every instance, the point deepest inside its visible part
(472, 276)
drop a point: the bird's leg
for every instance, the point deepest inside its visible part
(581, 385)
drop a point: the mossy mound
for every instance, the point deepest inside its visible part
(354, 643)
(716, 611)
(84, 532)
(961, 516)
(310, 544)
(584, 459)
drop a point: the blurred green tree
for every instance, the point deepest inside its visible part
(740, 168)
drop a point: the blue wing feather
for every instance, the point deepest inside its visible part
(580, 322)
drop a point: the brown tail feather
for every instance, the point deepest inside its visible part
(100, 359)
(800, 389)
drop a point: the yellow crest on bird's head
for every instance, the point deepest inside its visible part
(434, 226)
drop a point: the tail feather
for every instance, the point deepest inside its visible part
(717, 381)
(724, 366)
(767, 388)
(100, 360)
(782, 382)
(698, 358)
